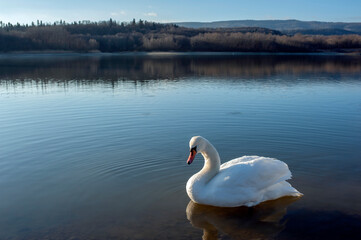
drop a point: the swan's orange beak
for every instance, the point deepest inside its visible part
(192, 155)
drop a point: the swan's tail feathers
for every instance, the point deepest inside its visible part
(292, 191)
(280, 189)
(296, 193)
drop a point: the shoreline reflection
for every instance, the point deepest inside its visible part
(115, 67)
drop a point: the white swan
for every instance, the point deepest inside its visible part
(244, 181)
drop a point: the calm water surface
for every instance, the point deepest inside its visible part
(95, 146)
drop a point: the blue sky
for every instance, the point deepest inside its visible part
(25, 11)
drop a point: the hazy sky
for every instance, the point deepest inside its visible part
(25, 11)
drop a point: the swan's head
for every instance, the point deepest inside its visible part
(196, 144)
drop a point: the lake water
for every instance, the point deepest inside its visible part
(95, 146)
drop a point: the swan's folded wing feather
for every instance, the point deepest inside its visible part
(251, 172)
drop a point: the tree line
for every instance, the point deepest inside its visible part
(112, 36)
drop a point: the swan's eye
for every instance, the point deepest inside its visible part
(193, 149)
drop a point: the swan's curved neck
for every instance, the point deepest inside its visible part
(212, 162)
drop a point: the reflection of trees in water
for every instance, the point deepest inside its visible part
(260, 222)
(117, 67)
(265, 66)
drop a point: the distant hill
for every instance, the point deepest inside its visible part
(294, 26)
(237, 30)
(326, 32)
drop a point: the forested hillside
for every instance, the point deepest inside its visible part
(111, 36)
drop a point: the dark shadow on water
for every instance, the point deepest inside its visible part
(314, 224)
(260, 222)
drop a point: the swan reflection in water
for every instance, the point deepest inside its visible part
(260, 222)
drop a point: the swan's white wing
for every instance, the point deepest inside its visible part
(248, 181)
(252, 172)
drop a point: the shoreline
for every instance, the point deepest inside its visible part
(171, 53)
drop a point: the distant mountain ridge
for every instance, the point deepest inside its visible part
(281, 25)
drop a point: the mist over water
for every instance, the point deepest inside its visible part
(95, 146)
